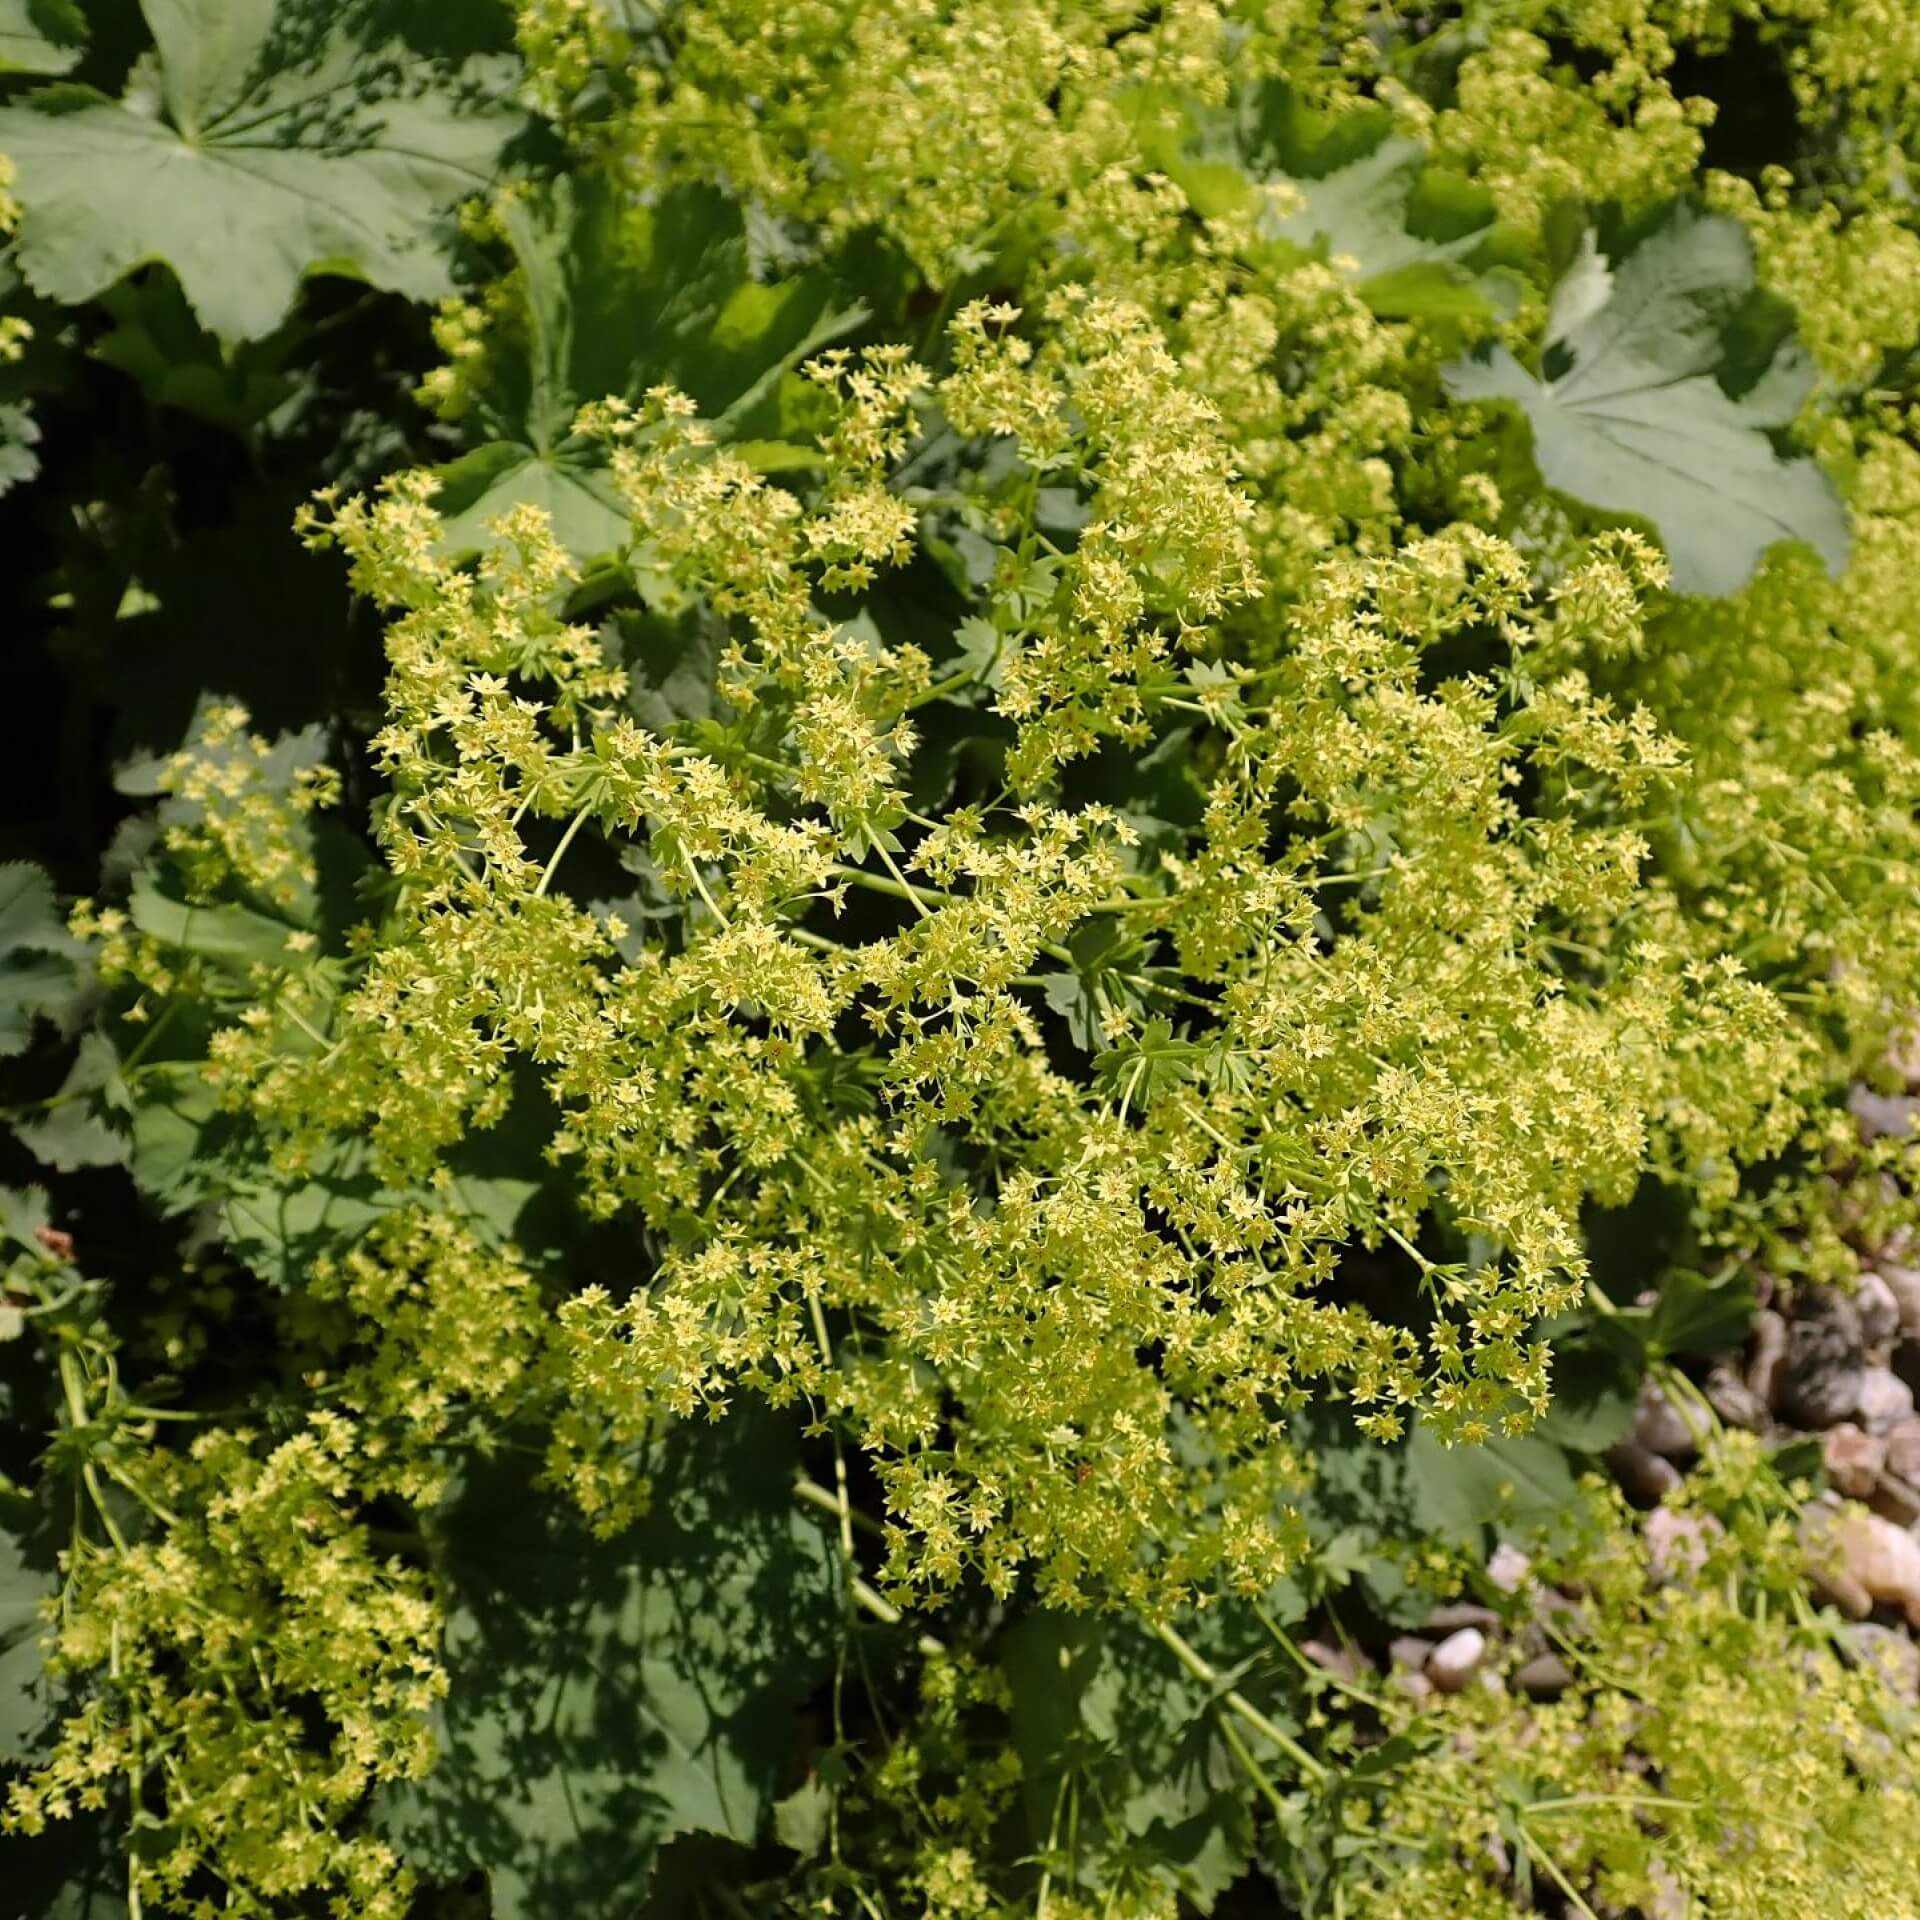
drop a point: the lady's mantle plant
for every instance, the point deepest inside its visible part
(1094, 722)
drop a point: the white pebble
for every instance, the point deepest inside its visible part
(1885, 1399)
(1509, 1569)
(1878, 1308)
(1457, 1658)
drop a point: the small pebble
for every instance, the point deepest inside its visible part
(1545, 1676)
(1860, 1558)
(1895, 1656)
(1410, 1652)
(1659, 1427)
(1460, 1613)
(1854, 1459)
(1881, 1115)
(1671, 1900)
(1734, 1401)
(1894, 1500)
(1678, 1543)
(1767, 1363)
(1826, 1563)
(1457, 1659)
(1345, 1662)
(1646, 1476)
(1824, 1361)
(1509, 1569)
(1879, 1310)
(1904, 1284)
(1885, 1400)
(1903, 1450)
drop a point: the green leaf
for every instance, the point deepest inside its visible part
(1638, 424)
(40, 36)
(482, 486)
(1522, 1482)
(1100, 1705)
(281, 144)
(607, 1695)
(19, 436)
(23, 1585)
(800, 1820)
(1140, 1068)
(1596, 1386)
(73, 1130)
(156, 341)
(1359, 213)
(1697, 1315)
(235, 935)
(43, 969)
(615, 296)
(1399, 227)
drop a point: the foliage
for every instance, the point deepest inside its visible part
(258, 145)
(884, 848)
(1637, 422)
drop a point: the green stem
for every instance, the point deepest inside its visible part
(1551, 1867)
(1208, 1676)
(559, 853)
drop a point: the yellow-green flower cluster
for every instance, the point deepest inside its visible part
(1715, 1752)
(232, 822)
(253, 1668)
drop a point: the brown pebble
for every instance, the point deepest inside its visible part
(1348, 1663)
(1678, 1543)
(1460, 1613)
(1659, 1426)
(1857, 1558)
(1894, 1500)
(1879, 1311)
(1854, 1458)
(1646, 1476)
(1889, 1652)
(1903, 1282)
(1885, 1399)
(1734, 1401)
(1825, 1360)
(1544, 1676)
(1903, 1450)
(1767, 1361)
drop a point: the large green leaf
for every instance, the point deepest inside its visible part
(266, 141)
(40, 36)
(43, 970)
(614, 297)
(1103, 1712)
(1638, 423)
(178, 363)
(23, 1585)
(1524, 1483)
(565, 482)
(1398, 227)
(607, 1695)
(1361, 210)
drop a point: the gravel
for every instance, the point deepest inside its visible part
(1457, 1659)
